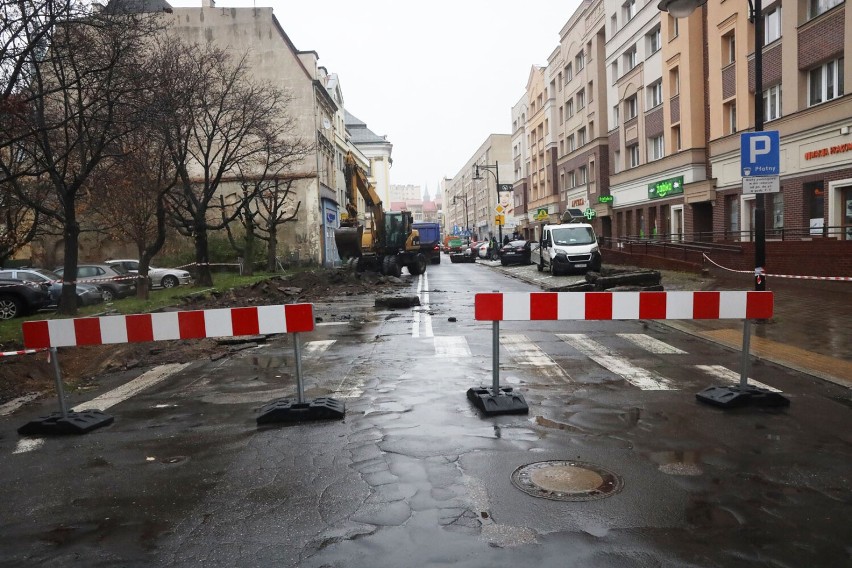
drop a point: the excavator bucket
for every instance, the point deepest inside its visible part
(348, 240)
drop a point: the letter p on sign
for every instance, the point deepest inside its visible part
(760, 153)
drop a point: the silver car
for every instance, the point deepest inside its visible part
(87, 294)
(159, 277)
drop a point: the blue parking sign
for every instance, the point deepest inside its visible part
(760, 153)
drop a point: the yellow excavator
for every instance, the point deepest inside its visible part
(388, 242)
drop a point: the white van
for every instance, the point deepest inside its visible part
(567, 248)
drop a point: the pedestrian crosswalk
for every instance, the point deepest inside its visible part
(618, 358)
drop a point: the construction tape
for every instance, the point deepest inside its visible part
(20, 352)
(795, 276)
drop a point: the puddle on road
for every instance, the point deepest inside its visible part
(680, 462)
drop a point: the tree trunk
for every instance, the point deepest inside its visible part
(142, 290)
(202, 257)
(68, 298)
(272, 249)
(248, 251)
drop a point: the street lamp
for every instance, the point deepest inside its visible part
(743, 393)
(464, 197)
(496, 174)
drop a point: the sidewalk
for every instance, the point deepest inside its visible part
(810, 332)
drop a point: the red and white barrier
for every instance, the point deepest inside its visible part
(622, 305)
(226, 322)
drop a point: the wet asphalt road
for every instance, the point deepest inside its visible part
(415, 477)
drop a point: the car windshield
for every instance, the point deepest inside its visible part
(573, 236)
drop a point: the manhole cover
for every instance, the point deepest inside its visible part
(566, 481)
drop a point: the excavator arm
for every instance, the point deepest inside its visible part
(350, 236)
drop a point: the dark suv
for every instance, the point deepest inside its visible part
(20, 298)
(115, 282)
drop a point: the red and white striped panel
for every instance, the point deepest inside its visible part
(225, 322)
(518, 306)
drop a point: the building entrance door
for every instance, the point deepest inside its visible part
(846, 216)
(677, 223)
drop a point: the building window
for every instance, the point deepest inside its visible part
(569, 73)
(559, 81)
(580, 61)
(629, 10)
(733, 214)
(616, 161)
(633, 156)
(583, 175)
(581, 136)
(615, 116)
(571, 146)
(656, 150)
(674, 79)
(569, 108)
(771, 24)
(630, 108)
(592, 128)
(777, 210)
(572, 179)
(825, 82)
(614, 71)
(654, 40)
(581, 99)
(655, 94)
(561, 115)
(729, 47)
(630, 59)
(730, 111)
(673, 27)
(676, 138)
(772, 103)
(817, 7)
(613, 24)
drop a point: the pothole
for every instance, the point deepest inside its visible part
(566, 481)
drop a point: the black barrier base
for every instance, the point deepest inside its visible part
(73, 423)
(504, 402)
(737, 396)
(285, 410)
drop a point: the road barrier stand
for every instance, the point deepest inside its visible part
(196, 324)
(549, 306)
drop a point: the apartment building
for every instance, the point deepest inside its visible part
(471, 202)
(579, 87)
(804, 99)
(520, 165)
(543, 198)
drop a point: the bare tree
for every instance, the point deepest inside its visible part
(234, 121)
(81, 85)
(266, 186)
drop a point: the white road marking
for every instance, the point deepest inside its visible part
(451, 346)
(526, 353)
(125, 391)
(17, 403)
(726, 375)
(423, 310)
(651, 344)
(327, 323)
(28, 445)
(316, 348)
(637, 376)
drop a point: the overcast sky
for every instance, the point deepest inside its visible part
(435, 77)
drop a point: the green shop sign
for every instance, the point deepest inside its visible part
(665, 188)
(605, 199)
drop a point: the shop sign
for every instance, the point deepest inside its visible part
(541, 214)
(605, 199)
(579, 202)
(589, 214)
(830, 151)
(665, 188)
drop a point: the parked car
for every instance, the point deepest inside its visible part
(18, 298)
(486, 251)
(515, 252)
(567, 247)
(87, 294)
(159, 277)
(114, 281)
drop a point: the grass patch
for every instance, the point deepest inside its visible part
(10, 330)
